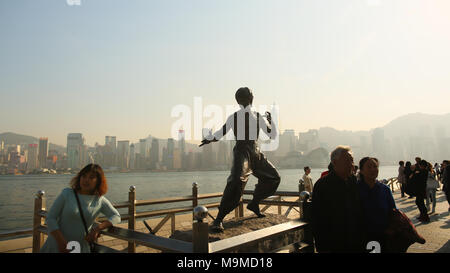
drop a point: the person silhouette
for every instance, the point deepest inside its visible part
(247, 158)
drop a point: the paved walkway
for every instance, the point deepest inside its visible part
(436, 233)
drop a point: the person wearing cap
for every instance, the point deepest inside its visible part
(247, 159)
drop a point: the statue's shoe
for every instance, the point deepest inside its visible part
(217, 226)
(255, 209)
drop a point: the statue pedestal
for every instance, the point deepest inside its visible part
(239, 226)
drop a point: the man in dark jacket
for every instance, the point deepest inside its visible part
(420, 183)
(337, 219)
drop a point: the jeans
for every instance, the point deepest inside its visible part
(431, 198)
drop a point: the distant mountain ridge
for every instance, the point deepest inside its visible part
(410, 125)
(10, 138)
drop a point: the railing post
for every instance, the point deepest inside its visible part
(300, 202)
(241, 202)
(279, 206)
(172, 224)
(200, 232)
(132, 215)
(194, 197)
(306, 208)
(39, 205)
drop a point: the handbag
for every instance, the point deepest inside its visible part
(401, 233)
(432, 184)
(95, 248)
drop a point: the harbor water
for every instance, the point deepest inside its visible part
(17, 192)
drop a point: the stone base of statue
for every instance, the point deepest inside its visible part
(245, 225)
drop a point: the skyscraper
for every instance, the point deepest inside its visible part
(110, 152)
(74, 143)
(141, 157)
(182, 147)
(143, 147)
(111, 142)
(170, 149)
(177, 159)
(208, 158)
(154, 153)
(123, 152)
(222, 154)
(32, 158)
(132, 157)
(43, 152)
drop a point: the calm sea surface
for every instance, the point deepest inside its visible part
(17, 192)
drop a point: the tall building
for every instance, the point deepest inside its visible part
(308, 141)
(177, 159)
(123, 153)
(182, 146)
(165, 156)
(287, 143)
(190, 161)
(222, 154)
(110, 152)
(43, 152)
(74, 143)
(84, 155)
(132, 157)
(32, 157)
(111, 142)
(208, 157)
(143, 147)
(154, 154)
(170, 149)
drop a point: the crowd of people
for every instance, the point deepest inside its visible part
(422, 180)
(351, 208)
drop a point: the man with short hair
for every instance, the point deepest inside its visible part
(337, 218)
(307, 180)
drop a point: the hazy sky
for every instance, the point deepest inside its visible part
(119, 67)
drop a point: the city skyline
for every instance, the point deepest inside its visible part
(409, 136)
(119, 68)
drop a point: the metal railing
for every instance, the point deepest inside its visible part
(40, 213)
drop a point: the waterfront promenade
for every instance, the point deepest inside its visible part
(436, 233)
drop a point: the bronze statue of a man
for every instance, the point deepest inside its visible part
(247, 158)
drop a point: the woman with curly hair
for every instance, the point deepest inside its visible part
(64, 220)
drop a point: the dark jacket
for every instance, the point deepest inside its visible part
(419, 182)
(337, 220)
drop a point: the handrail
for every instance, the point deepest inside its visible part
(278, 193)
(149, 240)
(126, 217)
(16, 233)
(40, 213)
